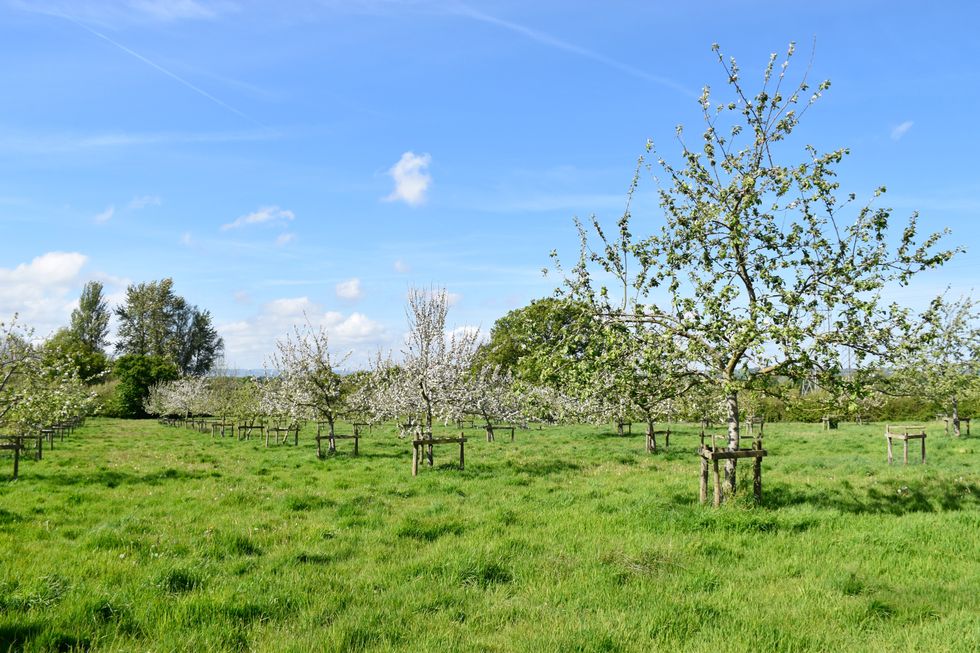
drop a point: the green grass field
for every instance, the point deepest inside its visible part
(136, 536)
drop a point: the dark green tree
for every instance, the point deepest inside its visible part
(90, 321)
(155, 321)
(534, 344)
(136, 374)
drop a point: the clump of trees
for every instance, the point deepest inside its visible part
(36, 390)
(155, 321)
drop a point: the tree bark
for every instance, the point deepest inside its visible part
(731, 403)
(956, 417)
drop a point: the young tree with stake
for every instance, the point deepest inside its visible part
(755, 253)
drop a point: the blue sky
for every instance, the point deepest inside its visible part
(323, 157)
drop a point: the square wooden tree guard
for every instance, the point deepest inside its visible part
(422, 446)
(652, 439)
(905, 433)
(492, 430)
(332, 440)
(963, 420)
(711, 454)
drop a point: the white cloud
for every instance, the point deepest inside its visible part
(901, 130)
(452, 298)
(468, 330)
(285, 239)
(412, 179)
(265, 214)
(143, 201)
(186, 239)
(43, 291)
(402, 267)
(350, 289)
(105, 216)
(249, 342)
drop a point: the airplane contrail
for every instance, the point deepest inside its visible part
(153, 64)
(555, 42)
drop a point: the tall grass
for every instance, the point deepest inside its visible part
(135, 536)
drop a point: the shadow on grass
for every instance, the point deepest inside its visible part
(13, 637)
(113, 478)
(544, 467)
(923, 496)
(371, 455)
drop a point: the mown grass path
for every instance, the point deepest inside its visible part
(135, 536)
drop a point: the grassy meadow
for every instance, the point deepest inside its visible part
(136, 536)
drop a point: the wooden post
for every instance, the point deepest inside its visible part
(16, 457)
(512, 429)
(267, 437)
(40, 448)
(356, 440)
(704, 480)
(905, 450)
(757, 480)
(415, 459)
(889, 441)
(461, 443)
(717, 484)
(923, 451)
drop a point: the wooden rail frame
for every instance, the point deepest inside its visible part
(905, 433)
(423, 447)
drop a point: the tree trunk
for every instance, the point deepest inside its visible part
(333, 443)
(956, 417)
(731, 402)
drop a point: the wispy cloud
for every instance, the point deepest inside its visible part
(284, 239)
(143, 201)
(119, 13)
(47, 143)
(105, 216)
(172, 10)
(559, 44)
(412, 178)
(263, 215)
(401, 267)
(901, 130)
